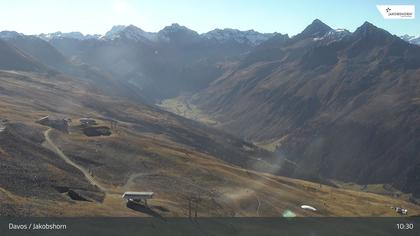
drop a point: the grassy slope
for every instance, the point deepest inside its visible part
(181, 106)
(143, 154)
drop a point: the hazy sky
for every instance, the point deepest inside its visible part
(98, 16)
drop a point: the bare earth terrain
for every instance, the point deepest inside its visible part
(47, 172)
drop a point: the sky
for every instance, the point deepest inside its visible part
(98, 16)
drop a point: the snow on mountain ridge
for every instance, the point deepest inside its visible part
(333, 35)
(175, 31)
(70, 35)
(411, 39)
(129, 32)
(175, 27)
(134, 33)
(250, 36)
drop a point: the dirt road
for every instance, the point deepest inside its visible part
(63, 156)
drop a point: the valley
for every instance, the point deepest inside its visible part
(340, 105)
(227, 123)
(139, 156)
(182, 107)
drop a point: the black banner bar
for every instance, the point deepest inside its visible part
(210, 226)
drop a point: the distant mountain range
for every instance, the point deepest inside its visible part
(336, 104)
(190, 60)
(71, 35)
(162, 64)
(132, 32)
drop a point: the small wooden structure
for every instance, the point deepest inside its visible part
(61, 124)
(139, 197)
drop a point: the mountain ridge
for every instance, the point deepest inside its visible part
(282, 76)
(309, 97)
(247, 36)
(333, 105)
(411, 39)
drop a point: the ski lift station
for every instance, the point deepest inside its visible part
(137, 196)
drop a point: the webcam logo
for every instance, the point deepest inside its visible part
(402, 12)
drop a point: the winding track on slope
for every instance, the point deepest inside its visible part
(108, 193)
(63, 156)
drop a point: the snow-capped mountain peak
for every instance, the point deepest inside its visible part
(70, 35)
(333, 35)
(176, 32)
(175, 27)
(411, 39)
(246, 37)
(130, 32)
